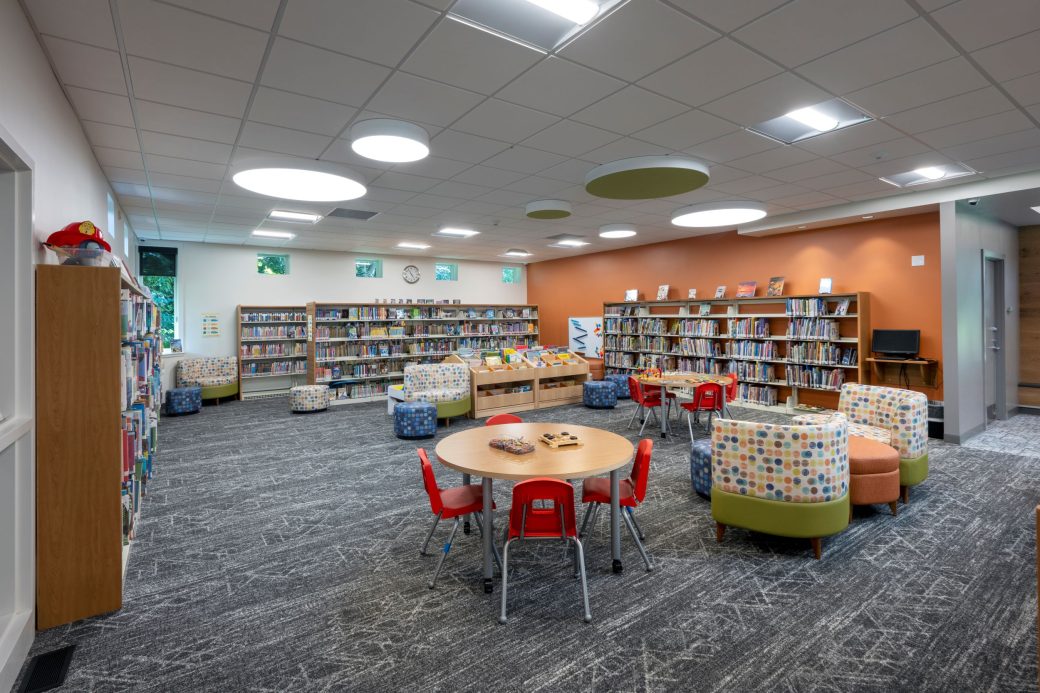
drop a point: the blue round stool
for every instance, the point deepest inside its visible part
(700, 468)
(415, 420)
(621, 382)
(183, 400)
(599, 394)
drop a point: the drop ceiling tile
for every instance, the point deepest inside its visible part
(1011, 59)
(272, 138)
(978, 23)
(115, 136)
(184, 167)
(1034, 111)
(524, 160)
(178, 86)
(186, 197)
(489, 177)
(473, 207)
(416, 212)
(1000, 144)
(871, 187)
(980, 128)
(712, 72)
(920, 87)
(727, 16)
(1025, 90)
(101, 107)
(559, 87)
(1007, 162)
(767, 99)
(538, 185)
(462, 146)
(171, 120)
(419, 100)
(405, 181)
(571, 171)
(302, 69)
(744, 186)
(619, 45)
(807, 200)
(462, 191)
(685, 130)
(186, 148)
(624, 148)
(339, 151)
(848, 176)
(907, 163)
(882, 152)
(90, 67)
(801, 31)
(775, 192)
(957, 109)
(434, 167)
(855, 137)
(570, 138)
(733, 146)
(128, 191)
(806, 171)
(258, 14)
(629, 110)
(772, 159)
(185, 183)
(125, 175)
(118, 158)
(86, 21)
(428, 201)
(457, 54)
(889, 54)
(276, 107)
(382, 31)
(181, 37)
(503, 121)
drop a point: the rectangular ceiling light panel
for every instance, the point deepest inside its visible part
(928, 174)
(541, 24)
(811, 121)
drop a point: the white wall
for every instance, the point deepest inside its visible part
(218, 278)
(964, 235)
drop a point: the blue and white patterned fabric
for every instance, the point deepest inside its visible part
(436, 382)
(415, 420)
(211, 371)
(183, 400)
(599, 394)
(700, 468)
(621, 383)
(309, 398)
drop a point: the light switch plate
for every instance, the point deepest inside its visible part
(917, 260)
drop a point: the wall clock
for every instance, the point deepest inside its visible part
(410, 274)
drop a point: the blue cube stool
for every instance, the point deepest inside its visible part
(415, 420)
(621, 382)
(183, 400)
(599, 394)
(700, 468)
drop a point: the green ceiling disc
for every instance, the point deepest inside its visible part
(646, 177)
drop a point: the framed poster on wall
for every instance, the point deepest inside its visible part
(585, 336)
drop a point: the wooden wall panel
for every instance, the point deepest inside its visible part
(1029, 315)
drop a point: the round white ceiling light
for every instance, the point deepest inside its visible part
(392, 141)
(296, 179)
(723, 213)
(616, 231)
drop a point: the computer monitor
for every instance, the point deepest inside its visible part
(897, 344)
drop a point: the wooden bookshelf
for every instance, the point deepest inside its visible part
(524, 385)
(98, 377)
(270, 339)
(774, 352)
(360, 349)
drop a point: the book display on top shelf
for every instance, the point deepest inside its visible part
(776, 286)
(662, 292)
(720, 292)
(272, 349)
(516, 380)
(746, 289)
(776, 347)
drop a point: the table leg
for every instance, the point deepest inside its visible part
(489, 533)
(615, 521)
(664, 412)
(466, 481)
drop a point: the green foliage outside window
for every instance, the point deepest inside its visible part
(511, 275)
(267, 263)
(446, 272)
(368, 268)
(164, 292)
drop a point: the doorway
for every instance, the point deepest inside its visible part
(994, 372)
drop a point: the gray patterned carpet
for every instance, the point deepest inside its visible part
(280, 553)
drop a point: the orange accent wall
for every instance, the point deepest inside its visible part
(872, 256)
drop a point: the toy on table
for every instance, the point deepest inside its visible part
(515, 446)
(559, 440)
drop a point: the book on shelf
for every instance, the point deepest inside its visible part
(825, 285)
(662, 292)
(776, 286)
(692, 294)
(631, 294)
(842, 308)
(704, 309)
(720, 292)
(746, 289)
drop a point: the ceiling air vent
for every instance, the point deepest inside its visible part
(343, 213)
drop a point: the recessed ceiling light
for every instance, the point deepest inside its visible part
(646, 177)
(803, 226)
(927, 174)
(285, 215)
(516, 252)
(384, 139)
(811, 121)
(455, 232)
(293, 179)
(568, 243)
(517, 21)
(261, 233)
(616, 231)
(930, 172)
(548, 209)
(412, 246)
(724, 213)
(868, 216)
(577, 11)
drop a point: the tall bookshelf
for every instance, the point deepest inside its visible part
(802, 347)
(361, 349)
(97, 398)
(272, 350)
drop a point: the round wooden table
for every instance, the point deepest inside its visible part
(602, 452)
(682, 383)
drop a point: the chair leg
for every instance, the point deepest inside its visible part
(505, 580)
(639, 408)
(447, 548)
(720, 531)
(817, 547)
(585, 520)
(894, 507)
(639, 530)
(584, 583)
(904, 493)
(429, 536)
(689, 425)
(635, 538)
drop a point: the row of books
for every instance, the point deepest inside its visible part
(696, 328)
(494, 328)
(617, 342)
(653, 325)
(622, 325)
(622, 310)
(258, 368)
(274, 332)
(752, 350)
(757, 394)
(699, 365)
(813, 328)
(256, 350)
(748, 327)
(138, 429)
(813, 376)
(653, 343)
(816, 307)
(358, 390)
(416, 313)
(365, 350)
(137, 316)
(275, 316)
(688, 346)
(752, 370)
(821, 352)
(616, 359)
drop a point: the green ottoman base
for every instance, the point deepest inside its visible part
(218, 391)
(799, 520)
(911, 473)
(457, 407)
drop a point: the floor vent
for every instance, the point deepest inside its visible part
(47, 671)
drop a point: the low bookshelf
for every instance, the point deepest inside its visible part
(361, 349)
(272, 350)
(803, 347)
(533, 379)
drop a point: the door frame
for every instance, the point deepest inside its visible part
(999, 267)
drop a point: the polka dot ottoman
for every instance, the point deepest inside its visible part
(306, 398)
(621, 383)
(183, 400)
(700, 468)
(599, 394)
(415, 420)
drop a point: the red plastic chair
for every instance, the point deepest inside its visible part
(450, 504)
(503, 419)
(731, 393)
(596, 492)
(709, 397)
(553, 519)
(645, 399)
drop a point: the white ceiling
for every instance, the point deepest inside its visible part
(171, 93)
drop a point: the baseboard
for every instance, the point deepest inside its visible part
(1030, 411)
(963, 438)
(15, 640)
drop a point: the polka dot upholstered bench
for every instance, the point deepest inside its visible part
(415, 420)
(599, 394)
(621, 383)
(700, 468)
(183, 400)
(306, 398)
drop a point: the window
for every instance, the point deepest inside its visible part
(446, 272)
(159, 273)
(511, 275)
(110, 230)
(272, 263)
(368, 268)
(126, 240)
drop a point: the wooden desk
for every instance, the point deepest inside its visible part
(682, 381)
(468, 452)
(927, 370)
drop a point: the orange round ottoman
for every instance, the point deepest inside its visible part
(873, 473)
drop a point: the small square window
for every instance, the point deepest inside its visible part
(272, 263)
(446, 272)
(368, 268)
(511, 275)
